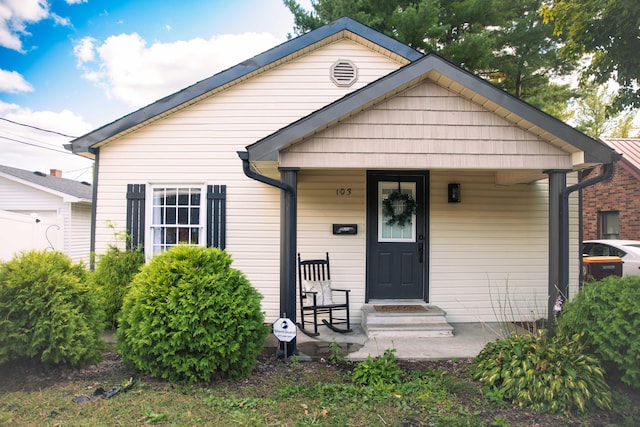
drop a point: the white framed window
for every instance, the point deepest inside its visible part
(177, 214)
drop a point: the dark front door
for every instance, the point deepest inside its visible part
(397, 248)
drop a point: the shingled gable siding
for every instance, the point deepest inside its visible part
(427, 127)
(199, 143)
(620, 193)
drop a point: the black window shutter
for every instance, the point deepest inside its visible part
(135, 216)
(216, 215)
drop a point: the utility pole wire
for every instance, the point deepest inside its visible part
(35, 145)
(26, 138)
(37, 128)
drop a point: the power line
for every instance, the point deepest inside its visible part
(27, 138)
(35, 145)
(83, 172)
(37, 128)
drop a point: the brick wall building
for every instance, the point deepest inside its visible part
(611, 208)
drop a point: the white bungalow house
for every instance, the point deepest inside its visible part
(44, 211)
(276, 155)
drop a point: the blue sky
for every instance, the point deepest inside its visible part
(71, 66)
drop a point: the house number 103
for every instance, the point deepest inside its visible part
(343, 192)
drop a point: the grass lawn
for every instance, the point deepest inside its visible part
(279, 393)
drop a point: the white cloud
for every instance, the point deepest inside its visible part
(28, 148)
(76, 1)
(14, 17)
(59, 20)
(84, 50)
(133, 72)
(13, 82)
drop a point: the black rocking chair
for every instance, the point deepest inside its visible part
(316, 297)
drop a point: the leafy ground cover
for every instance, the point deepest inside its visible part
(278, 393)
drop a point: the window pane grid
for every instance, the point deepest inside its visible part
(176, 217)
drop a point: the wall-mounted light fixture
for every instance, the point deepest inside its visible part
(454, 193)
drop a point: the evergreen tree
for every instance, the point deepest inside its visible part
(504, 41)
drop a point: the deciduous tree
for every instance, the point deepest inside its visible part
(608, 33)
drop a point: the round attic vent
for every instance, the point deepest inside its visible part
(344, 73)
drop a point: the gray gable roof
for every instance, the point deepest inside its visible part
(80, 190)
(84, 143)
(430, 66)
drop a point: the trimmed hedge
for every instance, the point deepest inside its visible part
(189, 316)
(48, 310)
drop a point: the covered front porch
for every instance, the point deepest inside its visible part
(500, 251)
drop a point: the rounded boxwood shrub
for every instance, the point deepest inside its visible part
(48, 310)
(547, 374)
(607, 312)
(189, 315)
(114, 271)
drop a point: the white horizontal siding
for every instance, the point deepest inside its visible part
(79, 232)
(489, 253)
(23, 198)
(320, 205)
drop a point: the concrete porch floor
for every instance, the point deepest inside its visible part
(467, 341)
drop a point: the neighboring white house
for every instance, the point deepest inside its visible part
(265, 158)
(40, 211)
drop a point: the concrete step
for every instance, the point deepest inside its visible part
(405, 320)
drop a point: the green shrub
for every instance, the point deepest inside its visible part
(607, 312)
(48, 310)
(546, 374)
(379, 372)
(189, 315)
(114, 271)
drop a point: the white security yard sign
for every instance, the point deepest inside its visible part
(284, 329)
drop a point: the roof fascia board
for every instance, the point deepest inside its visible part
(268, 147)
(85, 142)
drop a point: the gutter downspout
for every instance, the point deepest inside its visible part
(562, 290)
(288, 229)
(94, 209)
